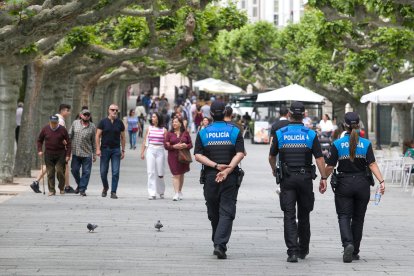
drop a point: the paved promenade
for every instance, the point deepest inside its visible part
(42, 235)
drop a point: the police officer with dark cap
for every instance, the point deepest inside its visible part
(351, 184)
(295, 145)
(281, 122)
(220, 148)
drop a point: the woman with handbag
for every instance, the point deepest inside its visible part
(132, 121)
(178, 143)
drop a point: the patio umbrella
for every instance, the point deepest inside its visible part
(221, 87)
(293, 92)
(202, 83)
(402, 92)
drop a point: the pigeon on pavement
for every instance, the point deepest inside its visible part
(91, 227)
(158, 225)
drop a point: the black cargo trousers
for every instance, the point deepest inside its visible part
(221, 199)
(351, 200)
(297, 188)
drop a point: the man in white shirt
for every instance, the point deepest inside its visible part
(64, 113)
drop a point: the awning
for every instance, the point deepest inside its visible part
(293, 92)
(211, 85)
(402, 92)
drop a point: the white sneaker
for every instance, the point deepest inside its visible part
(180, 195)
(176, 197)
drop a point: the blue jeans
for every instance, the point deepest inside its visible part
(132, 138)
(113, 155)
(86, 164)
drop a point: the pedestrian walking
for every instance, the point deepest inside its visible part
(155, 153)
(64, 112)
(219, 147)
(82, 134)
(19, 113)
(141, 121)
(177, 139)
(356, 163)
(295, 144)
(198, 118)
(63, 115)
(281, 122)
(133, 127)
(204, 123)
(56, 154)
(110, 147)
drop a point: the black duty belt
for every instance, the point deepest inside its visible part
(348, 174)
(301, 170)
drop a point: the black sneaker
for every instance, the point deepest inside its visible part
(347, 257)
(82, 193)
(69, 190)
(77, 190)
(114, 196)
(292, 258)
(303, 254)
(104, 192)
(219, 252)
(35, 187)
(355, 257)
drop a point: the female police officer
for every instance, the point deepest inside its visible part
(356, 161)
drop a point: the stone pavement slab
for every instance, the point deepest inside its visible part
(42, 235)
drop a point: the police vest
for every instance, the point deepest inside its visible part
(219, 141)
(342, 145)
(295, 145)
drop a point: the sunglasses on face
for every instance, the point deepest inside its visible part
(116, 110)
(87, 114)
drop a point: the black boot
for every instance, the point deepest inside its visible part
(292, 258)
(35, 186)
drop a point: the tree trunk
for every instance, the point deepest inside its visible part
(361, 109)
(404, 117)
(29, 126)
(10, 81)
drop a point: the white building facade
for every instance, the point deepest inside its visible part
(279, 12)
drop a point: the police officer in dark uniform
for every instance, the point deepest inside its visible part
(295, 145)
(281, 122)
(220, 148)
(351, 184)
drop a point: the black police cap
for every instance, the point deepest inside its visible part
(217, 108)
(351, 118)
(297, 108)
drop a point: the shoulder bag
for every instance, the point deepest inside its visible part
(184, 155)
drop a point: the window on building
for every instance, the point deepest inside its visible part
(254, 2)
(276, 19)
(243, 4)
(254, 12)
(276, 12)
(276, 6)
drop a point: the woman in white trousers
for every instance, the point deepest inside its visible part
(154, 137)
